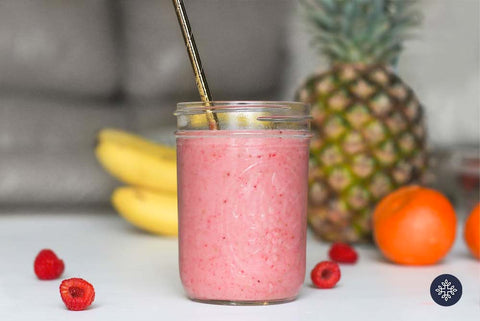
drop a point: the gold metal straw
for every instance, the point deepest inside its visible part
(200, 78)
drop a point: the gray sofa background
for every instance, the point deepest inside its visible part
(69, 68)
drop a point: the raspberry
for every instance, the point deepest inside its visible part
(342, 253)
(77, 294)
(47, 265)
(325, 274)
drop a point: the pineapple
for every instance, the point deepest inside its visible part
(369, 134)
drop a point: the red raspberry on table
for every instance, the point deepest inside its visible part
(47, 265)
(325, 274)
(343, 253)
(77, 294)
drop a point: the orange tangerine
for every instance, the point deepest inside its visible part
(471, 232)
(414, 225)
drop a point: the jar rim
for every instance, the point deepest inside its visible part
(196, 107)
(244, 114)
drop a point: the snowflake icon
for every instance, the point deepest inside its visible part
(446, 290)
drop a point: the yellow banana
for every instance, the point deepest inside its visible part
(123, 137)
(148, 210)
(137, 161)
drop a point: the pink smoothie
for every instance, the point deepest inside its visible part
(242, 214)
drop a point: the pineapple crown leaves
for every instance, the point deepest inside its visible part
(360, 31)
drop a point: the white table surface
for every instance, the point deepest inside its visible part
(135, 276)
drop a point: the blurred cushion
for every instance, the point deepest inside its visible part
(146, 114)
(61, 46)
(37, 122)
(154, 120)
(52, 176)
(241, 43)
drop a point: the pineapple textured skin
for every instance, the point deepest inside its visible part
(369, 139)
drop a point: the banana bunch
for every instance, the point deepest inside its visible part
(150, 202)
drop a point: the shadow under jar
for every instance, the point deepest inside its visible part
(242, 200)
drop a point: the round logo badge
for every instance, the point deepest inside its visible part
(446, 290)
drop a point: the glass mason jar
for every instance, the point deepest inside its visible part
(242, 200)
